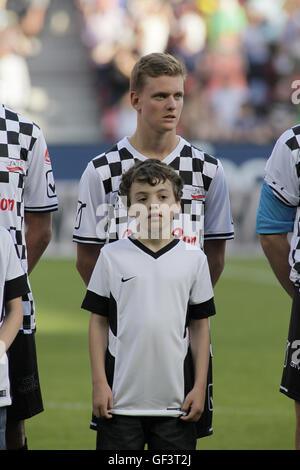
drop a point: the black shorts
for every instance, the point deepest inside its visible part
(133, 432)
(24, 379)
(290, 382)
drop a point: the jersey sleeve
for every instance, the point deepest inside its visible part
(281, 173)
(218, 220)
(90, 225)
(272, 215)
(201, 301)
(39, 189)
(16, 284)
(98, 292)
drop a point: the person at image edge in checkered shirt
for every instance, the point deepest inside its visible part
(27, 199)
(156, 92)
(278, 215)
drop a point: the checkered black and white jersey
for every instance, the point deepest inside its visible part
(282, 174)
(102, 216)
(26, 184)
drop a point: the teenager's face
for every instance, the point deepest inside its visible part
(154, 207)
(159, 104)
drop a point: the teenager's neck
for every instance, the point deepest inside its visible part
(156, 146)
(155, 244)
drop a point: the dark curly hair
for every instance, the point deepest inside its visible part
(150, 171)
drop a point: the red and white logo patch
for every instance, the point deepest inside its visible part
(47, 157)
(16, 166)
(198, 192)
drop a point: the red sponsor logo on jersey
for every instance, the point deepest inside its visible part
(198, 193)
(15, 167)
(6, 204)
(178, 232)
(47, 157)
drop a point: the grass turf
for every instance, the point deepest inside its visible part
(248, 336)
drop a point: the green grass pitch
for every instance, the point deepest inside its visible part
(248, 336)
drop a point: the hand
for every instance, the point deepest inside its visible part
(193, 405)
(102, 401)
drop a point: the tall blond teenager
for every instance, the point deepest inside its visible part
(157, 95)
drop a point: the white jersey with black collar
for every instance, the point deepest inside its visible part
(149, 299)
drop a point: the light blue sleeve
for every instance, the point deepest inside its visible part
(273, 216)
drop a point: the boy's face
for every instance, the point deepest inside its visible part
(159, 103)
(154, 208)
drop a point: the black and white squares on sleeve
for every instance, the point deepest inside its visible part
(293, 138)
(12, 127)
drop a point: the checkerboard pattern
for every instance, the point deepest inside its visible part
(196, 168)
(17, 139)
(12, 126)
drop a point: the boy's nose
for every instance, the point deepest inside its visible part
(154, 206)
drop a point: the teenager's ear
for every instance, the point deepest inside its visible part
(135, 100)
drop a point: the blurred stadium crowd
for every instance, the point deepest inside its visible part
(21, 22)
(242, 58)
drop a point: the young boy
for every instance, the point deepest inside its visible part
(13, 284)
(150, 299)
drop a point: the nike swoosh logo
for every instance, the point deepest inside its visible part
(128, 279)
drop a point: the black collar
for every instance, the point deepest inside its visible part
(154, 254)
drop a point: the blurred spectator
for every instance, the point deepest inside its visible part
(153, 20)
(188, 38)
(15, 82)
(31, 14)
(109, 36)
(20, 22)
(241, 57)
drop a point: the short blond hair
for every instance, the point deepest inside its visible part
(155, 65)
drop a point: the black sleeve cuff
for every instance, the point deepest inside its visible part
(16, 287)
(96, 303)
(203, 310)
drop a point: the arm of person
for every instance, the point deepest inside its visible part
(87, 255)
(98, 341)
(89, 232)
(38, 234)
(39, 199)
(11, 324)
(97, 301)
(218, 225)
(193, 404)
(215, 252)
(276, 248)
(273, 223)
